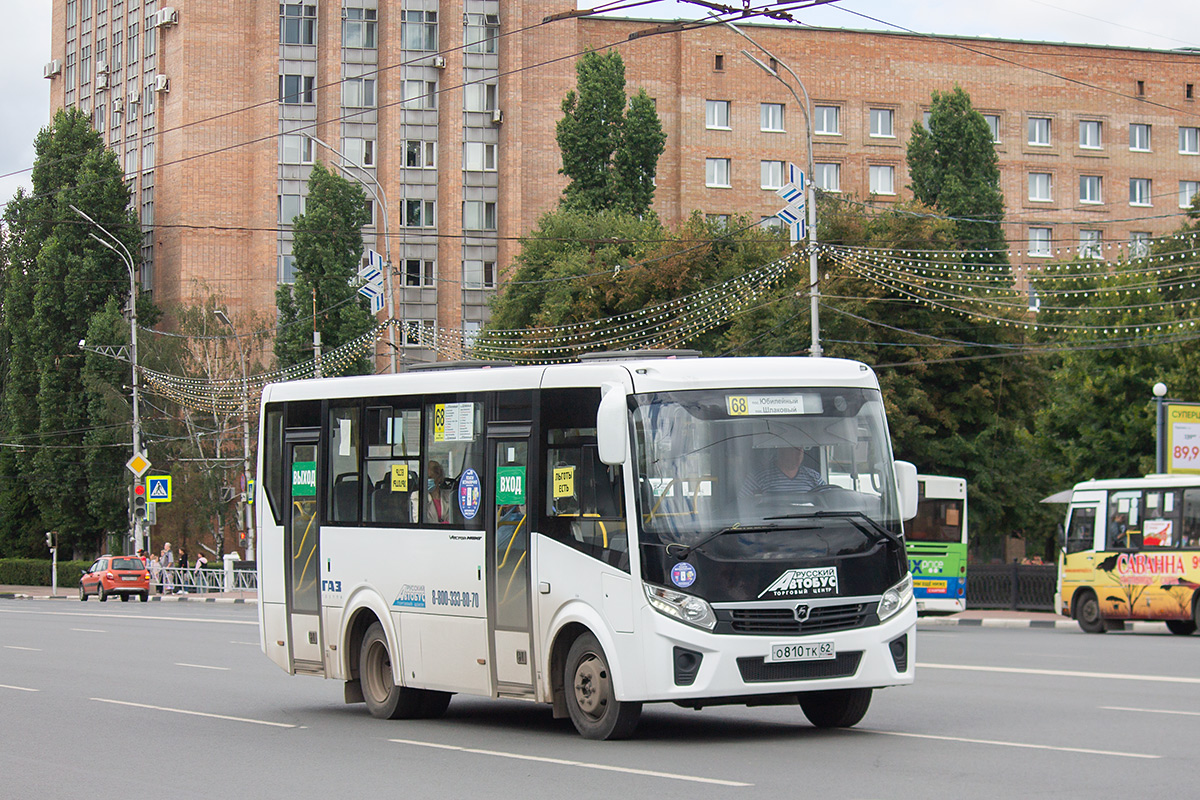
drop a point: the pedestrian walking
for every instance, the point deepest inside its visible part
(156, 573)
(166, 560)
(201, 582)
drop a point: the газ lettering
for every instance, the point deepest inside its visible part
(596, 536)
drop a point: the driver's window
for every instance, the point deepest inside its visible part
(1081, 529)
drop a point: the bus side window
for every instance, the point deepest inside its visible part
(1081, 529)
(1191, 518)
(343, 478)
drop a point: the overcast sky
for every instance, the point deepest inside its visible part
(1165, 24)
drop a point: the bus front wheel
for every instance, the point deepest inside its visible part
(384, 699)
(1181, 627)
(591, 701)
(1087, 613)
(837, 708)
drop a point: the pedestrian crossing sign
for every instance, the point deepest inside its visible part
(158, 489)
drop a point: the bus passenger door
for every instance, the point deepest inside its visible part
(508, 589)
(300, 524)
(1086, 534)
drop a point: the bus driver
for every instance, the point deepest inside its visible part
(785, 472)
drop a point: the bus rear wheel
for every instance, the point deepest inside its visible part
(591, 701)
(384, 699)
(838, 708)
(1087, 613)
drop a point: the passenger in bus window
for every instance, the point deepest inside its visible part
(1117, 531)
(437, 500)
(785, 472)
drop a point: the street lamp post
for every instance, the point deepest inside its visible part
(247, 517)
(381, 198)
(814, 293)
(1160, 460)
(118, 247)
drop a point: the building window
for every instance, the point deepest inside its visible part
(827, 120)
(479, 156)
(882, 179)
(719, 63)
(772, 174)
(1039, 242)
(482, 32)
(85, 65)
(358, 92)
(479, 215)
(359, 27)
(1187, 190)
(420, 30)
(1139, 136)
(1089, 134)
(418, 272)
(295, 148)
(420, 154)
(716, 172)
(290, 207)
(770, 117)
(1139, 244)
(359, 152)
(828, 176)
(1189, 141)
(69, 73)
(1089, 189)
(1039, 131)
(716, 114)
(295, 89)
(480, 97)
(993, 121)
(1090, 243)
(419, 214)
(1139, 192)
(881, 122)
(479, 274)
(297, 23)
(116, 52)
(1039, 187)
(287, 269)
(719, 221)
(420, 94)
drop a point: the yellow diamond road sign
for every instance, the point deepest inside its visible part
(138, 465)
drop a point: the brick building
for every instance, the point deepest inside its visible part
(445, 110)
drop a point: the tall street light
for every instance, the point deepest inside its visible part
(247, 517)
(118, 247)
(381, 198)
(814, 293)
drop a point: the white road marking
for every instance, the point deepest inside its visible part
(568, 763)
(997, 743)
(193, 713)
(1153, 711)
(18, 647)
(88, 630)
(200, 666)
(18, 688)
(254, 644)
(128, 616)
(1065, 673)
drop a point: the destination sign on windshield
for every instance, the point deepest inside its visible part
(763, 405)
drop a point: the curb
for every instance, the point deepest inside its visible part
(154, 599)
(1058, 624)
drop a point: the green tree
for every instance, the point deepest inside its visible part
(610, 145)
(328, 248)
(954, 168)
(58, 278)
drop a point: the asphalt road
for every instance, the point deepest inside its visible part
(177, 701)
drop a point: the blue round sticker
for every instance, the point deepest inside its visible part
(469, 494)
(683, 574)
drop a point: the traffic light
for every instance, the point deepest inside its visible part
(50, 540)
(139, 500)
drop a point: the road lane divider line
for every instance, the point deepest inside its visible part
(18, 688)
(194, 713)
(1065, 673)
(200, 666)
(129, 616)
(997, 743)
(18, 647)
(88, 630)
(569, 763)
(1153, 711)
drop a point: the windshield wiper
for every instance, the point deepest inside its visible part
(856, 518)
(687, 550)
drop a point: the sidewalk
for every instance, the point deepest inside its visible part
(1000, 618)
(72, 593)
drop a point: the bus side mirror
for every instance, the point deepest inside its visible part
(1061, 534)
(906, 481)
(612, 426)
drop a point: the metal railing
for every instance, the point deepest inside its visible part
(1016, 586)
(193, 580)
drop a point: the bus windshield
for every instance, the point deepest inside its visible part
(763, 459)
(937, 520)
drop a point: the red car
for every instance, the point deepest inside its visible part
(123, 575)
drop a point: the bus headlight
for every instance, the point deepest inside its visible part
(683, 607)
(896, 598)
